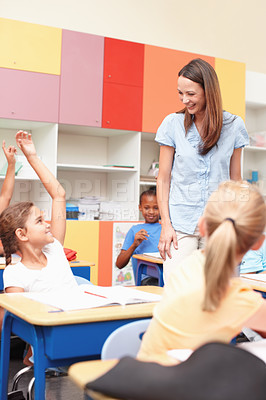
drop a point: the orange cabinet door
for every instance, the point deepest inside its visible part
(161, 69)
(123, 85)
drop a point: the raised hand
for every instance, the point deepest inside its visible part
(10, 152)
(25, 143)
(140, 236)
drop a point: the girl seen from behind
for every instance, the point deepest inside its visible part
(203, 300)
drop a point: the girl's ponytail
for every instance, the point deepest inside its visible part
(220, 263)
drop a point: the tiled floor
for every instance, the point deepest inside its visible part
(57, 388)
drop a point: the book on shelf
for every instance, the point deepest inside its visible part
(118, 166)
(90, 296)
(255, 279)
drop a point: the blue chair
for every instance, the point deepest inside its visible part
(125, 340)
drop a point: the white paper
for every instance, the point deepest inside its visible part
(257, 348)
(155, 254)
(90, 296)
(180, 354)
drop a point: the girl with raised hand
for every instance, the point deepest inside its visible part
(43, 266)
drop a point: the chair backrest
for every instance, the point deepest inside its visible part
(125, 340)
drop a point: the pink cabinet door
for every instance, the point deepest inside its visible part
(81, 79)
(29, 95)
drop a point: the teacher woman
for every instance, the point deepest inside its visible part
(200, 146)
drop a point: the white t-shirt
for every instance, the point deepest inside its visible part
(57, 274)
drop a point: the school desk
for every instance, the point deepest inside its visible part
(256, 286)
(79, 268)
(83, 372)
(148, 265)
(60, 338)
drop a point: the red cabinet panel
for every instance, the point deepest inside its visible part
(123, 84)
(81, 79)
(122, 107)
(29, 95)
(123, 62)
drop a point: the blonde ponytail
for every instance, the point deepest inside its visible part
(235, 218)
(220, 252)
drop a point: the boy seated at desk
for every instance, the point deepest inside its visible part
(142, 238)
(254, 261)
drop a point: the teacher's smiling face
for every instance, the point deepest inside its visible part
(192, 95)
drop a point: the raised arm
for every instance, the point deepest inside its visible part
(168, 234)
(51, 184)
(8, 185)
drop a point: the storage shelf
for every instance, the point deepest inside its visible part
(152, 183)
(255, 148)
(21, 178)
(96, 168)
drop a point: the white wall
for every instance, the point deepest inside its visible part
(230, 29)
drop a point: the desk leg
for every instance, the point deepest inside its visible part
(161, 281)
(139, 272)
(5, 354)
(39, 364)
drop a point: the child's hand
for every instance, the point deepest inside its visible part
(9, 153)
(25, 143)
(140, 236)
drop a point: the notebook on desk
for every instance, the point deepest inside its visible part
(155, 255)
(90, 296)
(255, 279)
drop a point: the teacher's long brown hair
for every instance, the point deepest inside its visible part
(201, 72)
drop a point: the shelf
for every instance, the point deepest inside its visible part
(255, 148)
(21, 178)
(95, 168)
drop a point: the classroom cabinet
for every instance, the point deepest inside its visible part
(29, 95)
(81, 83)
(122, 107)
(161, 67)
(123, 85)
(123, 62)
(30, 47)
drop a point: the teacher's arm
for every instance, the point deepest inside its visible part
(235, 165)
(168, 234)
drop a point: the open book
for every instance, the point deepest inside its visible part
(90, 296)
(255, 279)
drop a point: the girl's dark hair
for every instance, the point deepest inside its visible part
(150, 192)
(12, 218)
(201, 72)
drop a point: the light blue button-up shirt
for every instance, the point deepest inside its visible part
(195, 177)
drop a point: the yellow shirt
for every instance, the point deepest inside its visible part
(179, 321)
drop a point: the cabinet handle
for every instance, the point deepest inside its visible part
(109, 76)
(108, 122)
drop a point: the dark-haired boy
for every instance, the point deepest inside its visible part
(142, 238)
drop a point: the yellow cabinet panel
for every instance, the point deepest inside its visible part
(232, 78)
(30, 47)
(83, 237)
